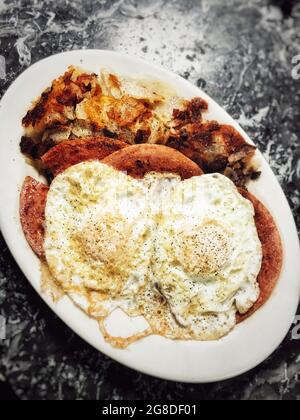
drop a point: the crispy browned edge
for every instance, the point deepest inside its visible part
(138, 160)
(32, 213)
(71, 152)
(49, 111)
(272, 253)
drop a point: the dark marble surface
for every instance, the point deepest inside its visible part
(241, 53)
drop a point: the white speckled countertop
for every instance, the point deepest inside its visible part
(244, 54)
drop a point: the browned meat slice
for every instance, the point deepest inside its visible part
(32, 213)
(140, 159)
(272, 253)
(71, 152)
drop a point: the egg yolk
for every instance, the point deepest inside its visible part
(204, 250)
(105, 239)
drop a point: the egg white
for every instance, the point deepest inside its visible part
(183, 254)
(98, 243)
(207, 255)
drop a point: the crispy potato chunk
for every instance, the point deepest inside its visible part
(56, 106)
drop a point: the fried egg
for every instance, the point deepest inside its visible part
(185, 255)
(98, 243)
(206, 261)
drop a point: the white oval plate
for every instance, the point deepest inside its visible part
(188, 361)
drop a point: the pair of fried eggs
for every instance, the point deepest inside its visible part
(184, 255)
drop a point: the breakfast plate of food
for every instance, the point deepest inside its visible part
(145, 217)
